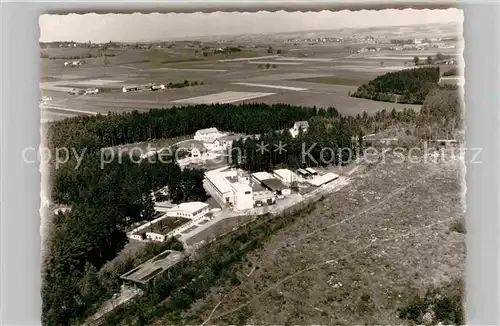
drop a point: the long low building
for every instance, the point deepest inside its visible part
(260, 176)
(287, 176)
(190, 210)
(324, 179)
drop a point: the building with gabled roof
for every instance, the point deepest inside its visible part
(208, 135)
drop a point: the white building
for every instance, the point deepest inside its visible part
(126, 89)
(299, 125)
(261, 176)
(243, 197)
(324, 179)
(231, 187)
(312, 171)
(190, 210)
(287, 176)
(208, 135)
(217, 184)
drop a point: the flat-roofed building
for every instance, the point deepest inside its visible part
(260, 176)
(276, 186)
(157, 229)
(312, 171)
(243, 195)
(190, 210)
(287, 176)
(217, 184)
(224, 142)
(324, 179)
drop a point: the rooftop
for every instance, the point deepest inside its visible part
(288, 175)
(318, 181)
(301, 124)
(274, 184)
(207, 131)
(262, 176)
(191, 207)
(219, 179)
(163, 225)
(257, 187)
(241, 187)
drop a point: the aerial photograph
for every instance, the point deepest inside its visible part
(266, 168)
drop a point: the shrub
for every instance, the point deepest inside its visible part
(458, 226)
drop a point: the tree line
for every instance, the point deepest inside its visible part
(409, 86)
(96, 132)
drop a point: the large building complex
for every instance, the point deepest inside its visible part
(191, 210)
(235, 188)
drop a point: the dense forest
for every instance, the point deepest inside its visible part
(105, 201)
(96, 132)
(409, 86)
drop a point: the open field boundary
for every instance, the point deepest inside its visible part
(275, 63)
(248, 58)
(223, 98)
(51, 107)
(273, 86)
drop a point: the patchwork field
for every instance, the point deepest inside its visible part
(334, 80)
(223, 98)
(321, 79)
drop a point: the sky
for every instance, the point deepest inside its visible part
(145, 27)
